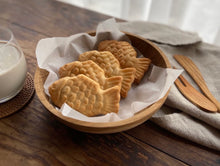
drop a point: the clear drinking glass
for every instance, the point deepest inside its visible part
(13, 66)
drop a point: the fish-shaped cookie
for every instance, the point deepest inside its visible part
(127, 56)
(91, 70)
(85, 95)
(111, 67)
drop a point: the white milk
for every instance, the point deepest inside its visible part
(13, 71)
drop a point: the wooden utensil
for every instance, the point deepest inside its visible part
(193, 95)
(194, 72)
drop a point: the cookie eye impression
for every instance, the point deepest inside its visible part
(66, 89)
(75, 70)
(82, 70)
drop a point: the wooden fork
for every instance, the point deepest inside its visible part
(195, 73)
(194, 96)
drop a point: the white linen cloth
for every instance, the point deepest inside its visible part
(178, 115)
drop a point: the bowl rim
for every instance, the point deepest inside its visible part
(140, 117)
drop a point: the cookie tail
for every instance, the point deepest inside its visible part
(128, 75)
(111, 98)
(113, 81)
(141, 66)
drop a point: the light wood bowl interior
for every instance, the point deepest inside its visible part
(148, 49)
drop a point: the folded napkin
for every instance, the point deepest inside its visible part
(178, 115)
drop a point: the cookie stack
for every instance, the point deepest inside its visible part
(94, 84)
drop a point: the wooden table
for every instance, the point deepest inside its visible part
(33, 136)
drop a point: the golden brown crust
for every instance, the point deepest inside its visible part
(111, 67)
(128, 77)
(126, 56)
(91, 70)
(85, 95)
(117, 48)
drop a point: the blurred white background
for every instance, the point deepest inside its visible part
(201, 16)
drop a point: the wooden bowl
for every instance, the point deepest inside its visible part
(148, 49)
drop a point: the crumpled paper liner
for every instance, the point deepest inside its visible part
(52, 53)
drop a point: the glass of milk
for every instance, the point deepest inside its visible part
(13, 66)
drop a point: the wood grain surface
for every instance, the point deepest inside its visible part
(33, 136)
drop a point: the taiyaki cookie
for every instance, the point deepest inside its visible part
(85, 95)
(111, 67)
(127, 56)
(91, 70)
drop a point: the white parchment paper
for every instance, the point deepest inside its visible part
(52, 53)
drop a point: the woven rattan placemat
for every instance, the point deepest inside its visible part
(20, 100)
